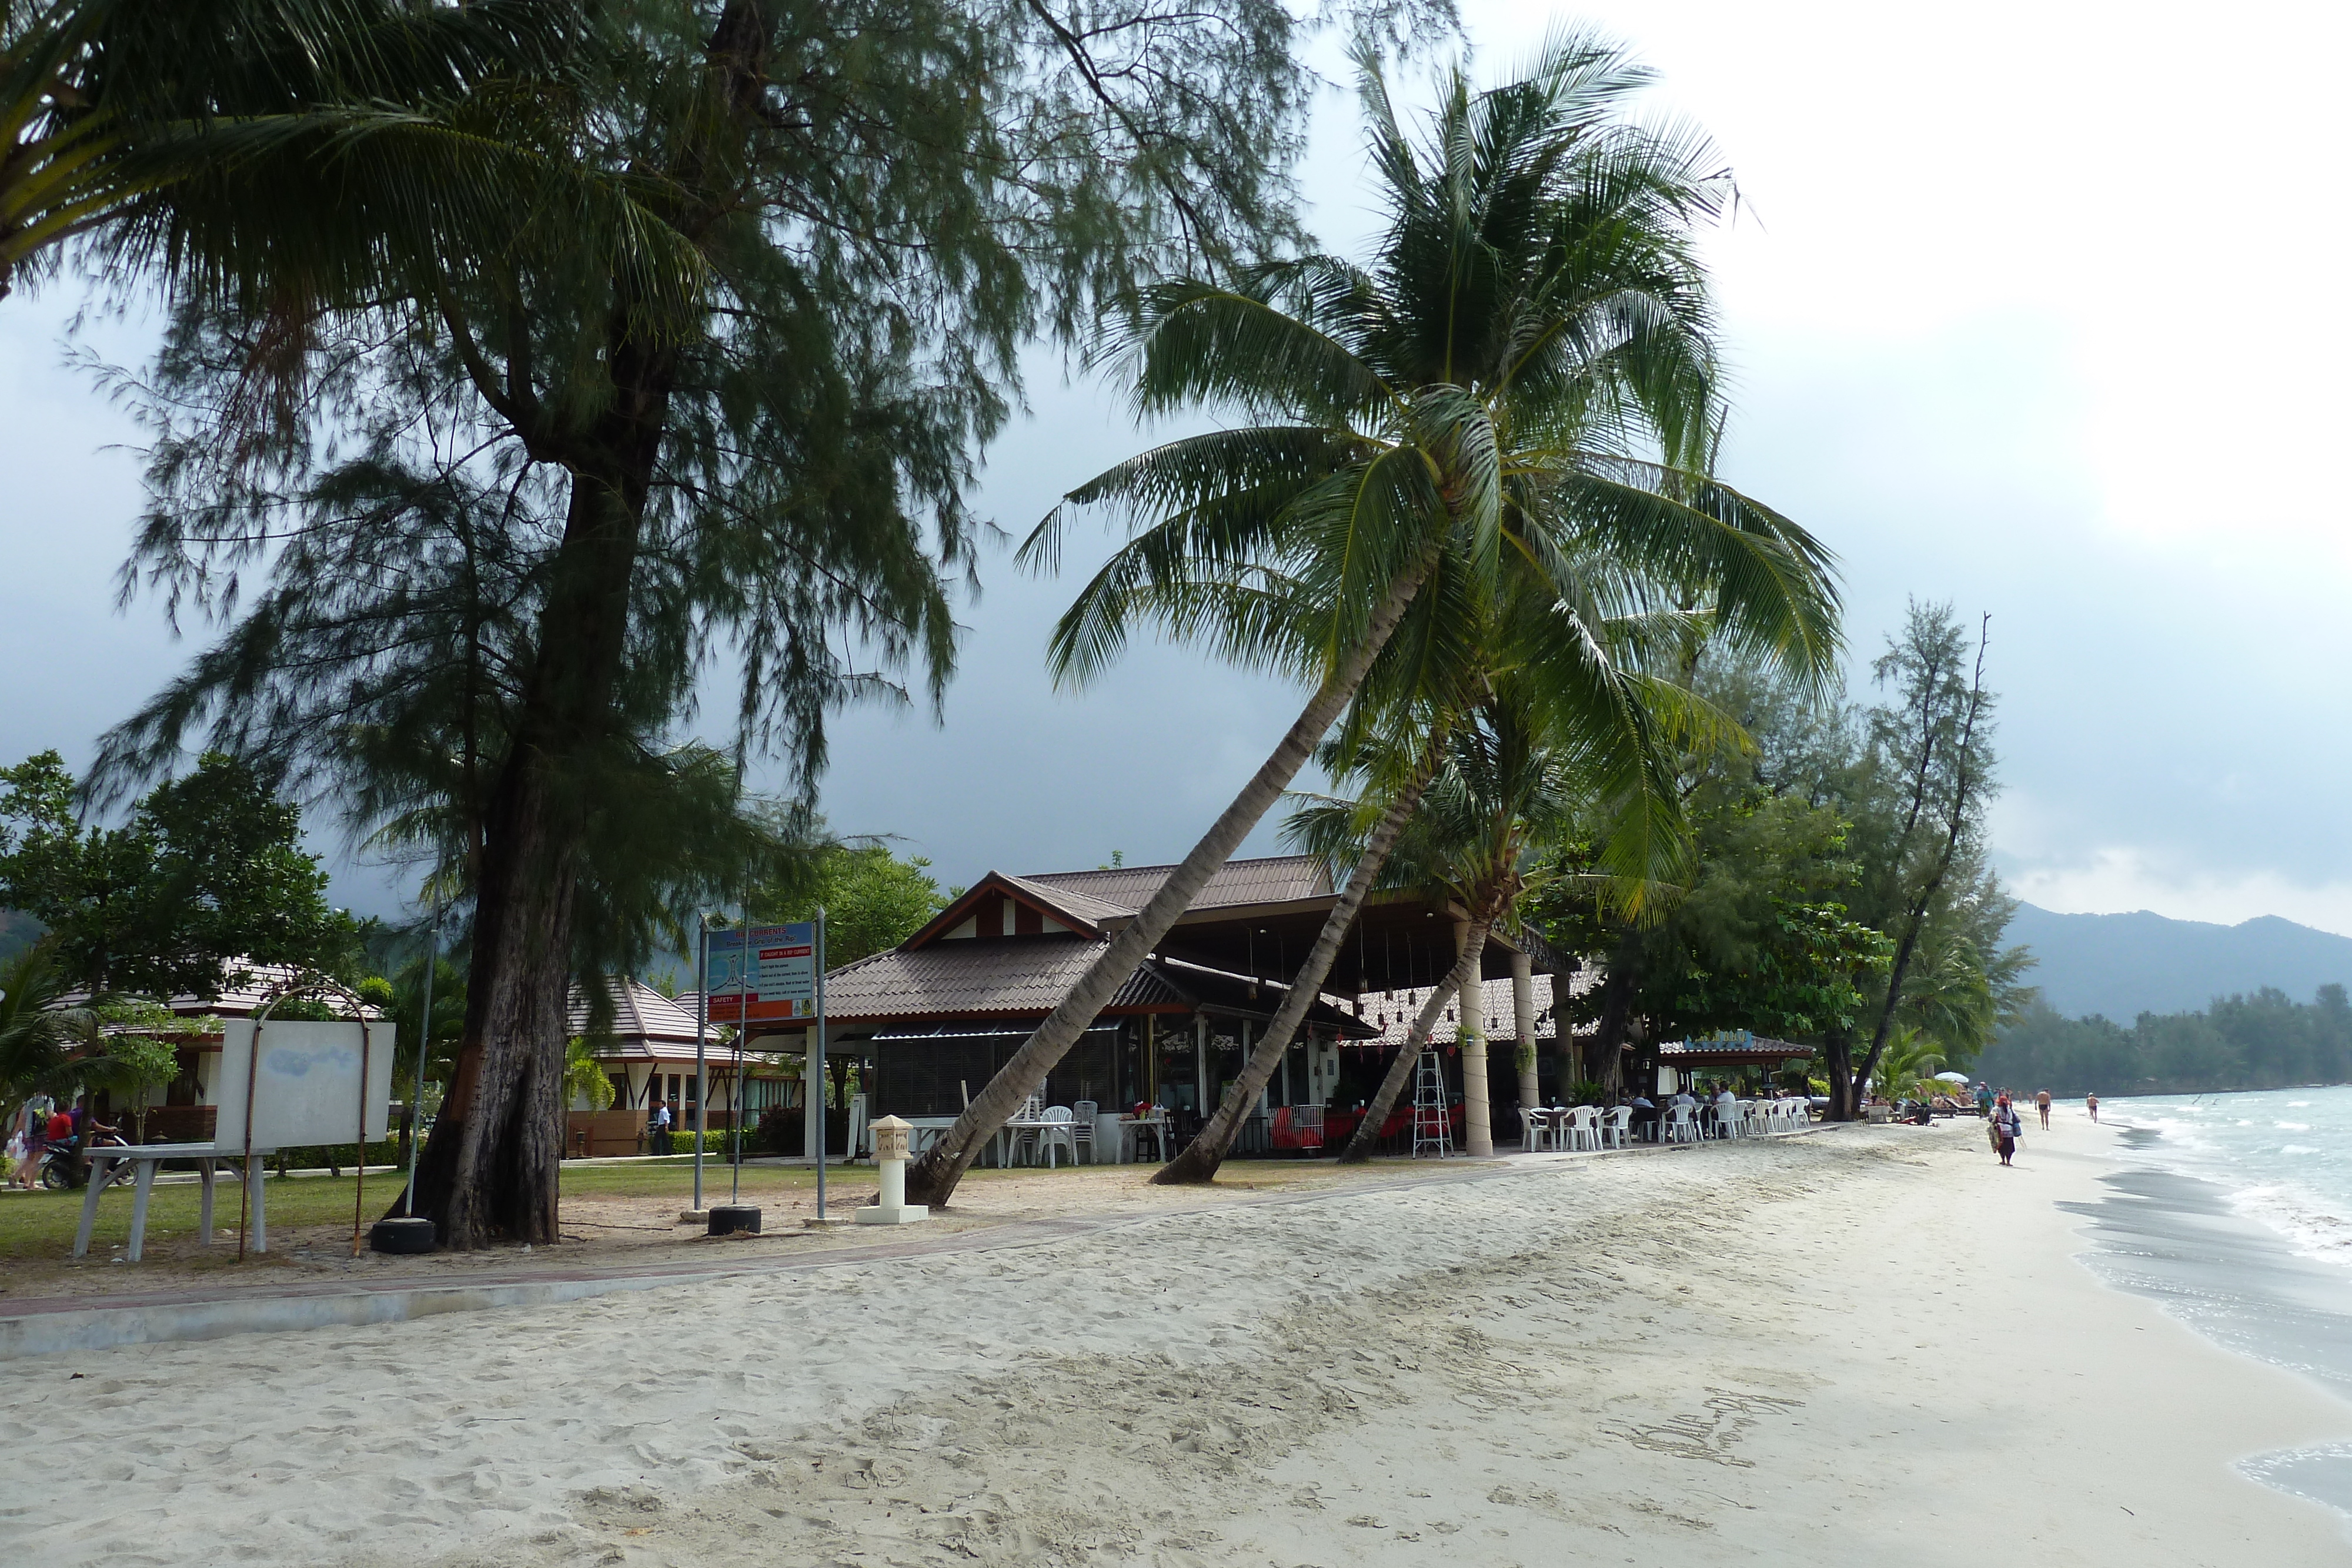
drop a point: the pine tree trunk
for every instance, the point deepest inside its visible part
(1200, 1159)
(1416, 1040)
(1837, 1051)
(933, 1179)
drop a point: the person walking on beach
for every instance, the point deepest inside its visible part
(2041, 1103)
(2092, 1101)
(1984, 1098)
(2006, 1129)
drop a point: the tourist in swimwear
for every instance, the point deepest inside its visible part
(2041, 1103)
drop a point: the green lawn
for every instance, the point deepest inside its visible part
(41, 1224)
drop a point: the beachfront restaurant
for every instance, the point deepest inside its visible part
(929, 1021)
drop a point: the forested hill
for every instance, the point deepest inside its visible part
(2120, 966)
(2265, 1040)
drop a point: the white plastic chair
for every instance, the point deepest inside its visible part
(1617, 1128)
(1082, 1128)
(1583, 1130)
(1537, 1131)
(1682, 1124)
(1056, 1132)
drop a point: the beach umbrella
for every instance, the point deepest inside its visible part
(1951, 1077)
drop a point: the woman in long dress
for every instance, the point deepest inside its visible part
(2006, 1128)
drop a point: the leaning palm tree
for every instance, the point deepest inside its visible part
(1513, 785)
(1532, 334)
(1582, 664)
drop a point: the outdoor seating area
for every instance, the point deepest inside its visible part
(1579, 1129)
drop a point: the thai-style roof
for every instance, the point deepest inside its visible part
(641, 1014)
(1392, 1013)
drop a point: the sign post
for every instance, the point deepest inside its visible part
(818, 938)
(764, 973)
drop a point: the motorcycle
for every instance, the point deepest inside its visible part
(63, 1171)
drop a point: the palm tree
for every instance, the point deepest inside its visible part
(1533, 322)
(1510, 790)
(1574, 660)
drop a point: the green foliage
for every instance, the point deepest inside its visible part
(209, 869)
(584, 1077)
(447, 1024)
(2263, 1040)
(38, 1040)
(873, 900)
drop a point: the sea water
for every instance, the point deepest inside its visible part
(2235, 1211)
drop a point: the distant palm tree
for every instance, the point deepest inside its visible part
(1534, 331)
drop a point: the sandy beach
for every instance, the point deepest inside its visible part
(1866, 1344)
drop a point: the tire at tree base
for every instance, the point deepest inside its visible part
(401, 1237)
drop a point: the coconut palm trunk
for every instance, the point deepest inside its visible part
(1464, 971)
(1200, 1159)
(933, 1179)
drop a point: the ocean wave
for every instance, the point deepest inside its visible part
(2311, 1224)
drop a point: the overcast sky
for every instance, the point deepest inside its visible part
(2033, 308)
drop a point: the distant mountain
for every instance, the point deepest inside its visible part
(2125, 965)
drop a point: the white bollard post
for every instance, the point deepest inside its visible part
(890, 1154)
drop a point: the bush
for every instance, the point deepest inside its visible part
(782, 1130)
(334, 1156)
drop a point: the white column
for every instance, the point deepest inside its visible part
(1523, 1019)
(1478, 1100)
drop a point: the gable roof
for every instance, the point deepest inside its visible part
(1082, 915)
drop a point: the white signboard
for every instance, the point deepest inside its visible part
(308, 1090)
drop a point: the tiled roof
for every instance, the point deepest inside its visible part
(959, 979)
(1393, 1014)
(1093, 911)
(1029, 977)
(235, 1001)
(640, 1014)
(1274, 879)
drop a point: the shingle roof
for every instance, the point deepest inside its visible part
(1393, 1016)
(1274, 879)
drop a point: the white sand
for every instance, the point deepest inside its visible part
(1864, 1346)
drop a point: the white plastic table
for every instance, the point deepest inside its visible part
(147, 1157)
